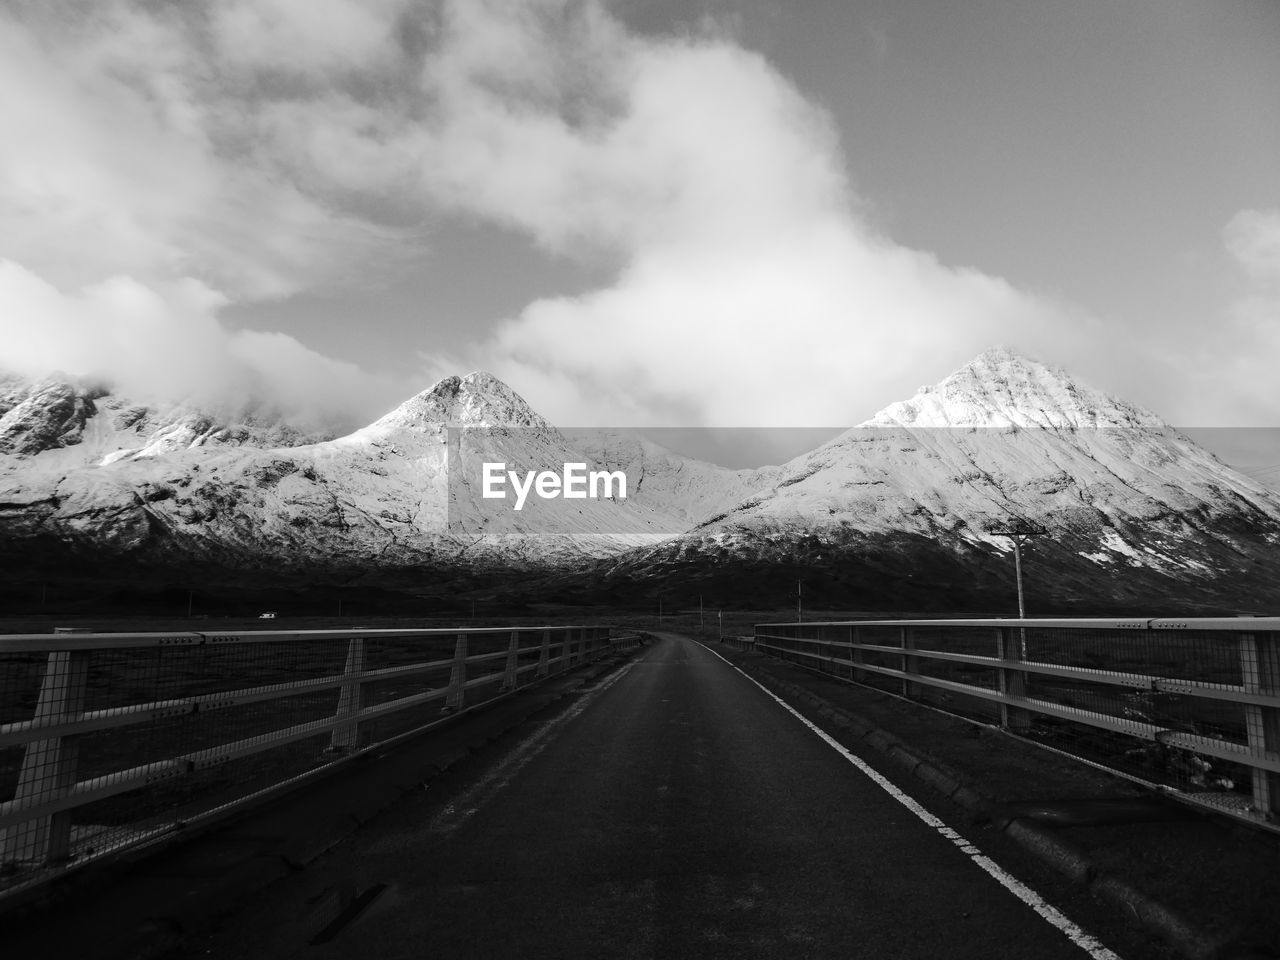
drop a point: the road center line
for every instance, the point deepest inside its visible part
(1074, 933)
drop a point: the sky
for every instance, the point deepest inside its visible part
(723, 213)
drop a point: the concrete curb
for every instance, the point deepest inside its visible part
(1159, 919)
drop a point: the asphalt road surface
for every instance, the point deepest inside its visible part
(679, 811)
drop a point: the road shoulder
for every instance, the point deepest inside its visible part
(1205, 887)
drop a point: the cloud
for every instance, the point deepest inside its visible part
(166, 344)
(145, 183)
(309, 37)
(130, 148)
(1252, 237)
(1244, 347)
(162, 160)
(772, 333)
(752, 288)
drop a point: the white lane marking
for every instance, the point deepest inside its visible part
(1074, 933)
(487, 787)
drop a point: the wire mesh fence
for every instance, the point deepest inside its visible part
(1188, 705)
(108, 740)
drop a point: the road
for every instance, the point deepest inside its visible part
(679, 811)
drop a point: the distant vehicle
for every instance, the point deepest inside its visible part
(269, 615)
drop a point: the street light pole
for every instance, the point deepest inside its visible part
(1018, 530)
(1017, 567)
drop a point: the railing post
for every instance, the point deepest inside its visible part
(855, 637)
(544, 655)
(1013, 683)
(509, 673)
(910, 664)
(457, 676)
(820, 650)
(348, 735)
(1260, 671)
(49, 766)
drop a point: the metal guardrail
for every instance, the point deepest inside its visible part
(1188, 705)
(110, 740)
(739, 642)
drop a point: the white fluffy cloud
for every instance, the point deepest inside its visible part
(129, 149)
(138, 200)
(1253, 239)
(161, 160)
(1244, 349)
(166, 343)
(751, 290)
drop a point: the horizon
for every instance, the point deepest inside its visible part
(1253, 451)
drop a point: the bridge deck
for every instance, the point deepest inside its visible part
(674, 811)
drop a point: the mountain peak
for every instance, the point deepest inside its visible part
(1001, 354)
(1002, 388)
(477, 400)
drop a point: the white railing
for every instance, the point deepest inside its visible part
(1192, 705)
(107, 740)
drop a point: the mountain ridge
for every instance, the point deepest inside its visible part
(1003, 436)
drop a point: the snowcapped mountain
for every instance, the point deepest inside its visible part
(897, 507)
(72, 422)
(685, 489)
(1003, 389)
(403, 491)
(1122, 494)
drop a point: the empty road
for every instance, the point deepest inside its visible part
(677, 811)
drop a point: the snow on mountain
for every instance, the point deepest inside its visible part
(437, 444)
(1000, 388)
(403, 490)
(1129, 502)
(683, 488)
(61, 422)
(1003, 437)
(50, 414)
(478, 400)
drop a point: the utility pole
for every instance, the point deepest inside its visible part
(190, 599)
(799, 603)
(1018, 530)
